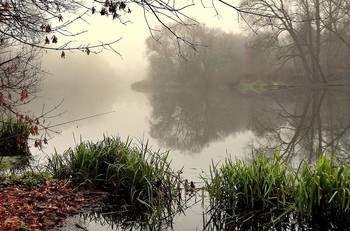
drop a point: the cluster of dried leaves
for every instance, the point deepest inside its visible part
(42, 207)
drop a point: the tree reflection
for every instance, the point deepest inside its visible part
(298, 122)
(190, 121)
(309, 123)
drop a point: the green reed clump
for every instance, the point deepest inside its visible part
(269, 188)
(260, 186)
(134, 174)
(323, 191)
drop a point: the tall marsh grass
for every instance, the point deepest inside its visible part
(267, 190)
(137, 176)
(322, 192)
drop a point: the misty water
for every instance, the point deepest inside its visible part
(197, 125)
(203, 104)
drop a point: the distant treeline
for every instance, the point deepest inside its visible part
(204, 56)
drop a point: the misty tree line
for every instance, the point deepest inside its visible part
(288, 41)
(236, 58)
(216, 58)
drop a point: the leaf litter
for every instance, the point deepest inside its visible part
(44, 206)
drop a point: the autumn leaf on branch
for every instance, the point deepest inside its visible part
(24, 94)
(54, 39)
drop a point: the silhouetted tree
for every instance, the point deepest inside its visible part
(301, 31)
(218, 57)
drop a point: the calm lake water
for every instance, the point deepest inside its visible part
(198, 126)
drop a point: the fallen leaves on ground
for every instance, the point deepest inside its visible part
(42, 207)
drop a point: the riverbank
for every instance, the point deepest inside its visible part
(142, 189)
(138, 181)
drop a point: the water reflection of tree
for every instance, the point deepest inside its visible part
(304, 123)
(190, 121)
(309, 123)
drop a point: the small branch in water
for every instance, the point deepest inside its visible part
(83, 118)
(81, 227)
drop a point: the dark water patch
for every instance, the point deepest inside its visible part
(123, 217)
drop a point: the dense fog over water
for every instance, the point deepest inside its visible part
(176, 97)
(229, 82)
(90, 85)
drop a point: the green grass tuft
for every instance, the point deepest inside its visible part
(268, 190)
(135, 175)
